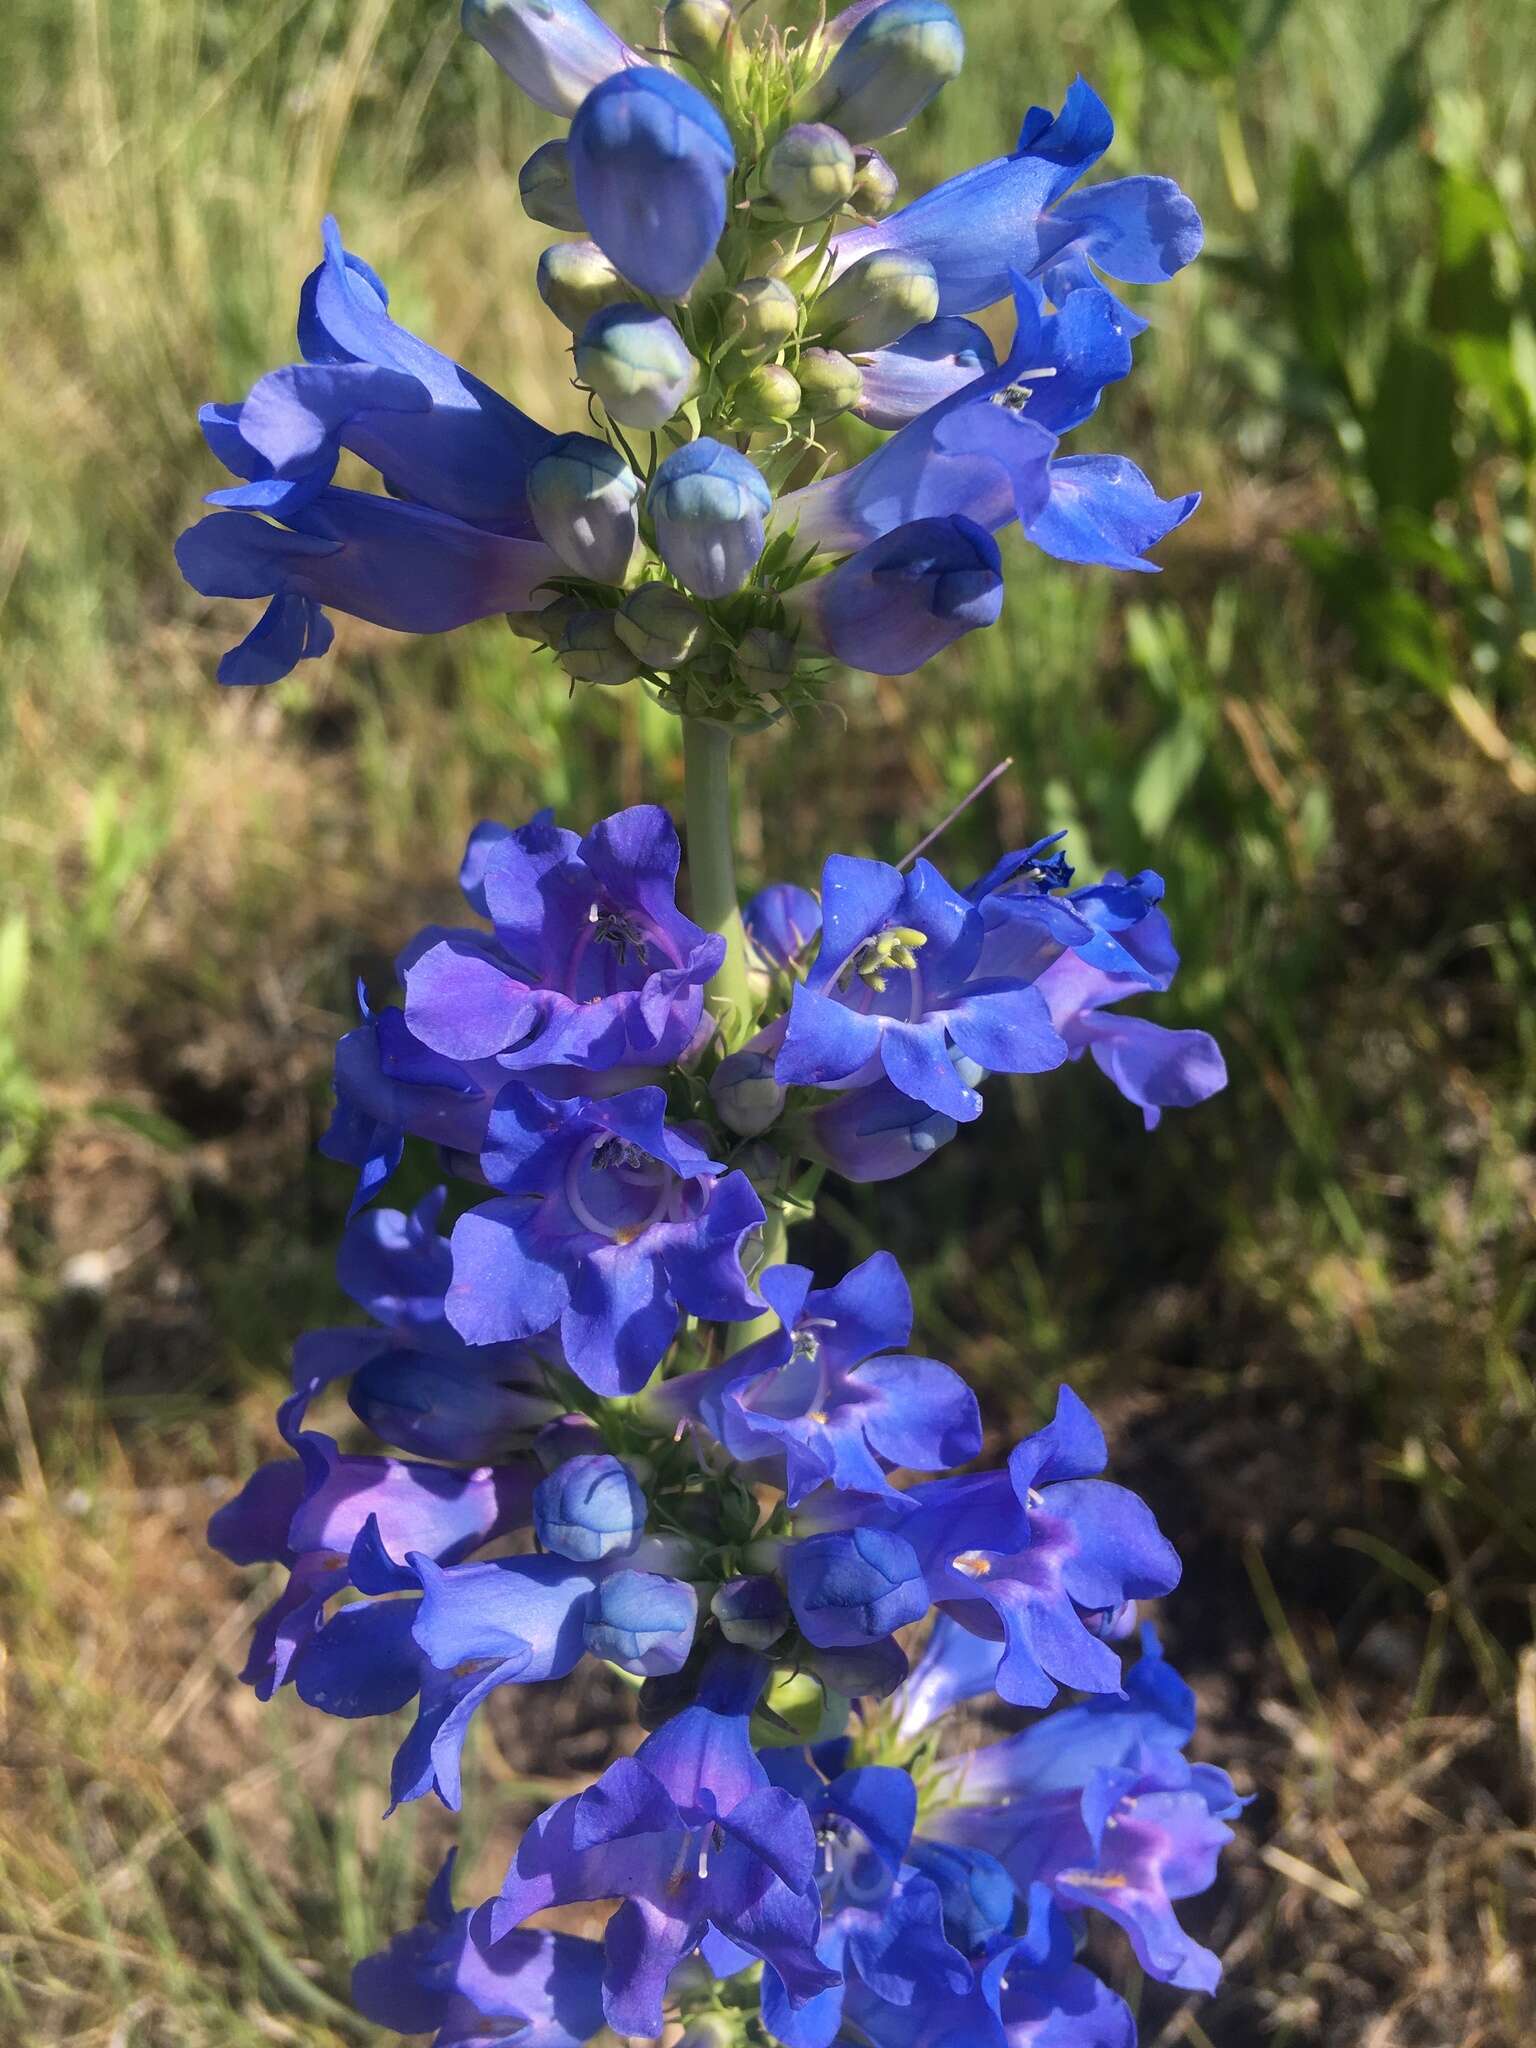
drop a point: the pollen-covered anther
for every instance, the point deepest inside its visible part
(974, 1563)
(1094, 1880)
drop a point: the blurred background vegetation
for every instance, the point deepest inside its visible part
(1305, 1310)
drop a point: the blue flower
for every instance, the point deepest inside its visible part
(890, 61)
(1019, 214)
(582, 496)
(689, 1834)
(874, 1133)
(593, 970)
(814, 1403)
(650, 162)
(556, 50)
(926, 365)
(447, 1977)
(895, 985)
(903, 598)
(588, 1508)
(855, 1586)
(709, 503)
(611, 1222)
(781, 921)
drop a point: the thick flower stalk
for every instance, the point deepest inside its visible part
(620, 1423)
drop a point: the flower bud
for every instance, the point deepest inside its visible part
(875, 185)
(545, 188)
(765, 660)
(759, 316)
(576, 280)
(556, 50)
(642, 1621)
(637, 364)
(890, 66)
(709, 503)
(829, 383)
(752, 1612)
(699, 30)
(650, 160)
(659, 626)
(711, 2030)
(854, 1586)
(747, 1098)
(874, 1133)
(546, 624)
(877, 300)
(589, 1508)
(584, 498)
(767, 397)
(428, 1407)
(565, 1437)
(809, 172)
(901, 599)
(592, 652)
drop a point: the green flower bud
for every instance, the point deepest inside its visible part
(636, 362)
(829, 383)
(809, 171)
(766, 398)
(765, 659)
(699, 30)
(875, 187)
(546, 623)
(576, 280)
(592, 652)
(759, 316)
(660, 627)
(545, 188)
(877, 300)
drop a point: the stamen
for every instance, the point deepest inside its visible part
(974, 1563)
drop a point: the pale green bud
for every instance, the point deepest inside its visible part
(877, 300)
(545, 188)
(747, 1098)
(659, 626)
(583, 497)
(592, 652)
(759, 316)
(545, 623)
(766, 398)
(875, 187)
(637, 363)
(699, 30)
(576, 280)
(809, 172)
(829, 383)
(765, 659)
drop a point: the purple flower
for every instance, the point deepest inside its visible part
(895, 984)
(781, 922)
(815, 1404)
(874, 1133)
(308, 1511)
(447, 1977)
(650, 162)
(854, 1586)
(611, 1222)
(593, 968)
(1019, 214)
(689, 1834)
(928, 364)
(903, 598)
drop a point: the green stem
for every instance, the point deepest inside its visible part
(712, 869)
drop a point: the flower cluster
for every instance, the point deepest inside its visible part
(739, 277)
(621, 1424)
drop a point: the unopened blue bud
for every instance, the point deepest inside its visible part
(425, 1406)
(752, 1612)
(709, 503)
(809, 172)
(875, 185)
(889, 68)
(556, 50)
(584, 498)
(637, 364)
(829, 382)
(588, 1508)
(651, 160)
(576, 280)
(855, 1586)
(875, 1133)
(659, 626)
(545, 188)
(877, 300)
(642, 1621)
(591, 651)
(747, 1098)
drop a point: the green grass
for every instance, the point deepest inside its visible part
(1306, 1310)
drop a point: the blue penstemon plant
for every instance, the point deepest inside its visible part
(619, 1423)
